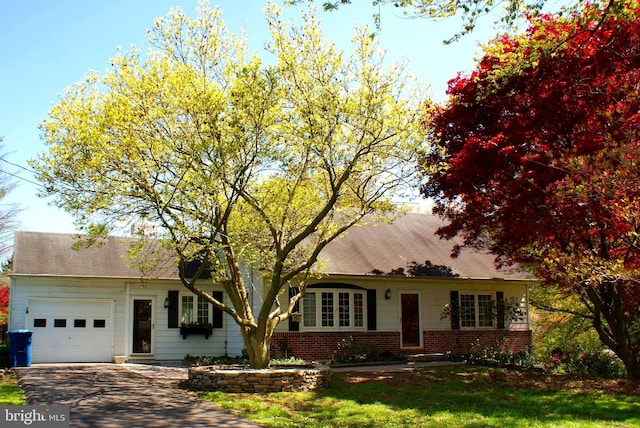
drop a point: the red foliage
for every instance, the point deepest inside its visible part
(4, 299)
(517, 155)
(542, 150)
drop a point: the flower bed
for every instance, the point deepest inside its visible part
(275, 379)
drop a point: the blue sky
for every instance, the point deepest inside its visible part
(48, 45)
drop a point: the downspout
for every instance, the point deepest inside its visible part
(128, 328)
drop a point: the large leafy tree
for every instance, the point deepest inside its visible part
(539, 148)
(240, 163)
(506, 13)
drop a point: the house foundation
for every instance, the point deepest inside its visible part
(315, 346)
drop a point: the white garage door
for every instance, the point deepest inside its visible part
(71, 330)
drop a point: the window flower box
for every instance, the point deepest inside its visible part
(196, 328)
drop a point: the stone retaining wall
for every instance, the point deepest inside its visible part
(276, 379)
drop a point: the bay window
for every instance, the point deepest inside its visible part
(333, 309)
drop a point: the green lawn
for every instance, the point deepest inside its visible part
(453, 396)
(10, 393)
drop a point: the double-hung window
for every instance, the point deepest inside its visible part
(477, 310)
(328, 309)
(194, 310)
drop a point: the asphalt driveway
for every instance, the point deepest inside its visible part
(128, 395)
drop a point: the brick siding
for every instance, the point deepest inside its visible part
(321, 346)
(465, 341)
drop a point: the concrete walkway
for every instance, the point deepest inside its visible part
(128, 395)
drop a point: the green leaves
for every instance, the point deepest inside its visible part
(234, 160)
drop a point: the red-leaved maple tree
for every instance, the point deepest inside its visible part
(539, 149)
(4, 302)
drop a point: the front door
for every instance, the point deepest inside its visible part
(142, 325)
(410, 313)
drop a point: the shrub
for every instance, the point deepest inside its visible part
(231, 361)
(4, 354)
(586, 362)
(290, 361)
(494, 356)
(351, 351)
(520, 360)
(590, 360)
(213, 361)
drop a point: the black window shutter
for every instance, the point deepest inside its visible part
(216, 322)
(294, 326)
(455, 310)
(372, 315)
(500, 309)
(174, 322)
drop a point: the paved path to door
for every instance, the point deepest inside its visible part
(128, 395)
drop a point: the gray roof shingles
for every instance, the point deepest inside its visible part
(383, 248)
(410, 240)
(52, 254)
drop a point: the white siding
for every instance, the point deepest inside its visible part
(253, 282)
(23, 288)
(434, 294)
(167, 343)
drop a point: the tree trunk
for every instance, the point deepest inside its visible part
(622, 351)
(633, 368)
(607, 306)
(258, 343)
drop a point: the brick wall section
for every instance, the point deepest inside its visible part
(465, 341)
(320, 346)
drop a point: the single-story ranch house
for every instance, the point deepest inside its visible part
(386, 286)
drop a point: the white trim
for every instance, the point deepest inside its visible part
(476, 293)
(196, 298)
(128, 324)
(151, 352)
(336, 310)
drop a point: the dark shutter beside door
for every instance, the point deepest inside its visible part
(455, 310)
(216, 321)
(500, 309)
(174, 321)
(372, 314)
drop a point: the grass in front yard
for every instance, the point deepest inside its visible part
(10, 392)
(455, 396)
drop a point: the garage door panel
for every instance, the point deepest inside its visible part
(71, 330)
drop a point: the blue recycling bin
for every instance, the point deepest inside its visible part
(20, 348)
